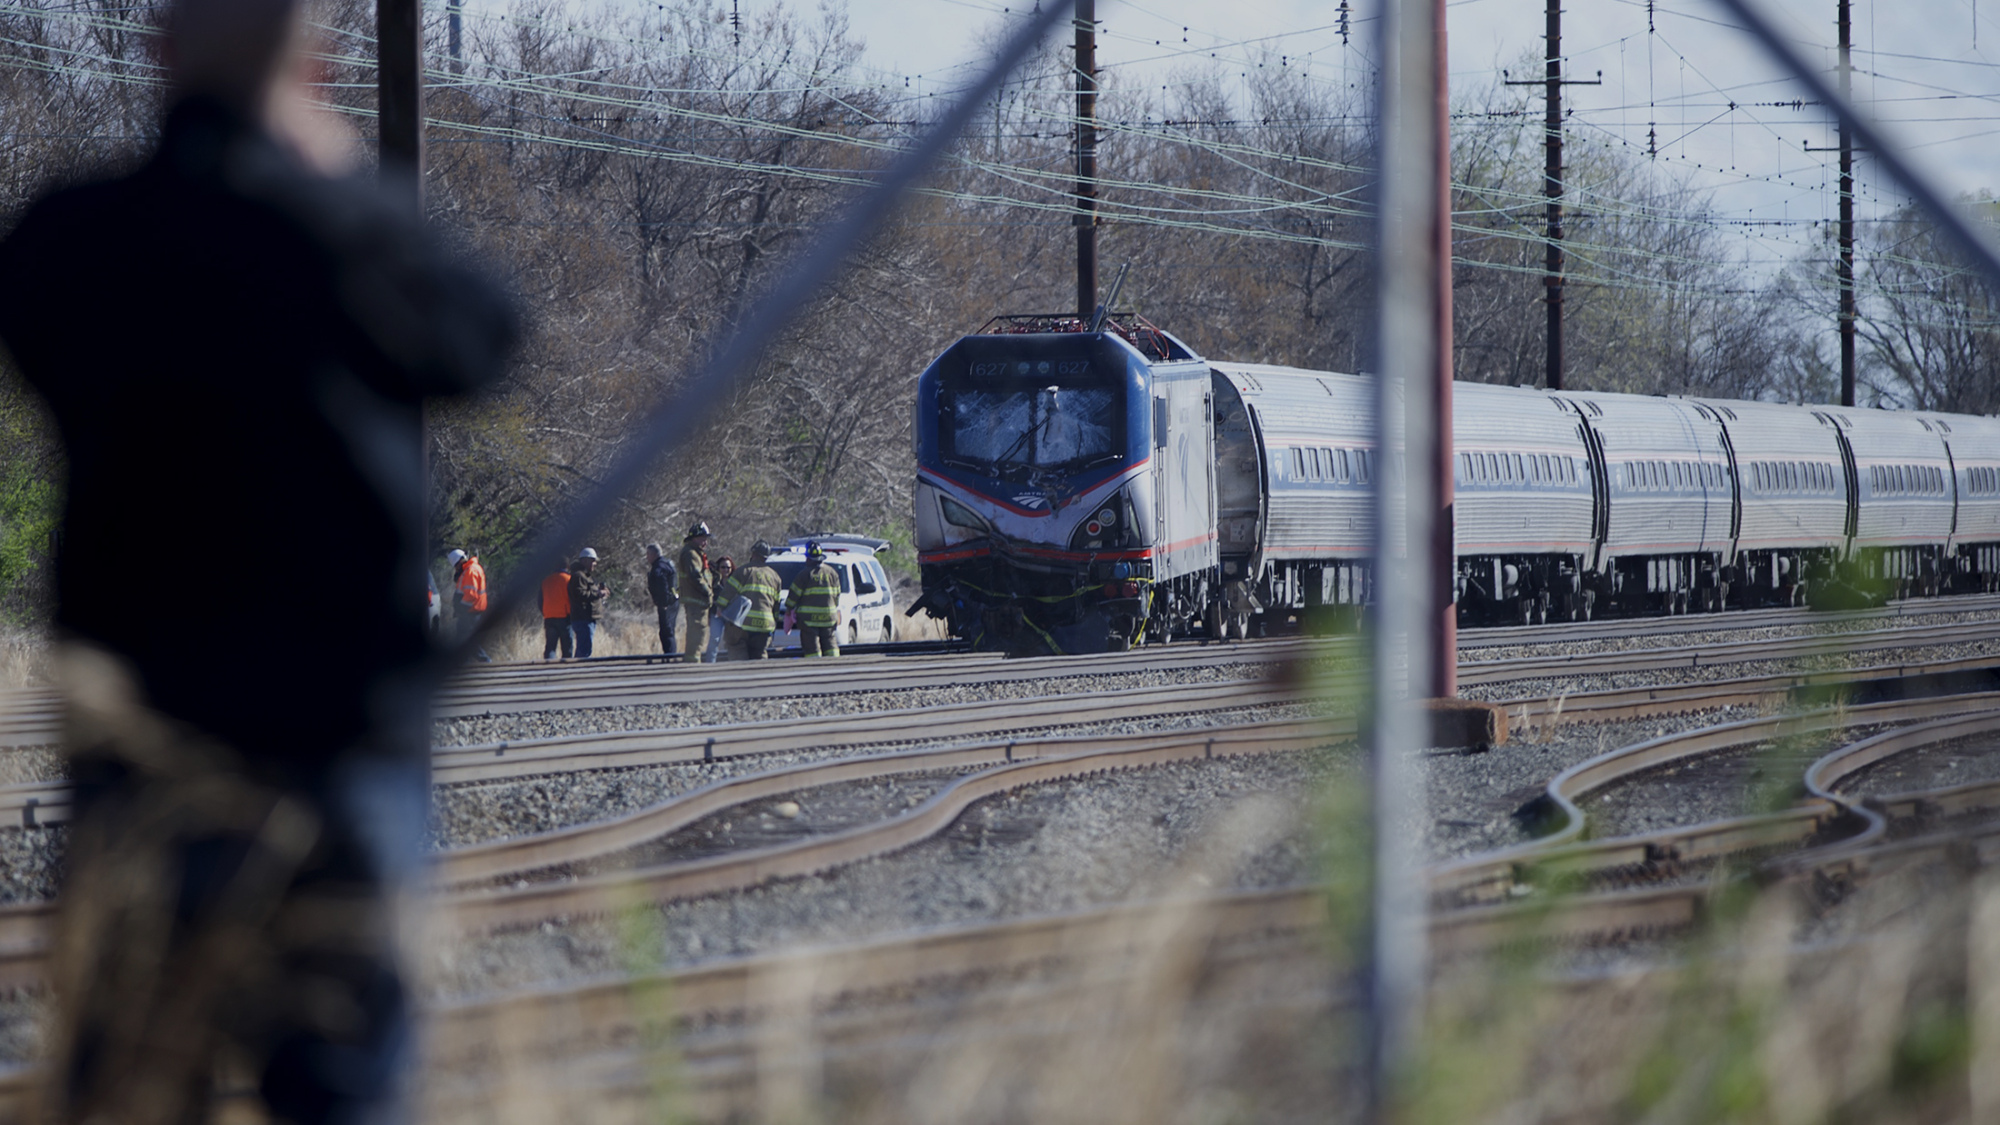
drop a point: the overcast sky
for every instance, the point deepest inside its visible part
(1926, 65)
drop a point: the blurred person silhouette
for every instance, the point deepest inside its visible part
(233, 341)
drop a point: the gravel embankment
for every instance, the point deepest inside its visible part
(1057, 847)
(1067, 846)
(1719, 786)
(1941, 765)
(475, 813)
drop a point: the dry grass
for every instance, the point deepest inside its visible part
(24, 658)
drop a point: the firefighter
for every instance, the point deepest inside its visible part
(748, 635)
(697, 589)
(555, 616)
(815, 602)
(468, 599)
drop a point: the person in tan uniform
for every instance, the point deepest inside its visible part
(697, 590)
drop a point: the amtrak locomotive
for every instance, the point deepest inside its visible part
(1079, 491)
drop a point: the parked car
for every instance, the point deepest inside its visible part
(867, 607)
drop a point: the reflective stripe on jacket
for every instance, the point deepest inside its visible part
(555, 596)
(472, 585)
(760, 584)
(816, 597)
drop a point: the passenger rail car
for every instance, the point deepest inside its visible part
(1083, 490)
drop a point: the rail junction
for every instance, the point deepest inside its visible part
(822, 880)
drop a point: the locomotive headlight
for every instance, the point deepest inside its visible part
(1094, 527)
(958, 515)
(1107, 517)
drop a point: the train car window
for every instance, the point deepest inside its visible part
(1519, 473)
(1298, 464)
(1791, 477)
(1319, 465)
(1342, 454)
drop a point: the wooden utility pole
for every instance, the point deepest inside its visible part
(1844, 269)
(399, 69)
(1553, 264)
(1086, 158)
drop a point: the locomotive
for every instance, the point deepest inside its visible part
(1089, 487)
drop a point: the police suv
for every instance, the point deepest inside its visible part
(867, 608)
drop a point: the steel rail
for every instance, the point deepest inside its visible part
(1611, 628)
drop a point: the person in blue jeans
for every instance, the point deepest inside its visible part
(586, 599)
(724, 567)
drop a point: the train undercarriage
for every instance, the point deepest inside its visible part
(1001, 605)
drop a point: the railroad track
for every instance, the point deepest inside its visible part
(536, 690)
(30, 717)
(39, 804)
(722, 985)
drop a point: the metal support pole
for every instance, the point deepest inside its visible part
(1442, 682)
(1402, 644)
(1844, 269)
(454, 16)
(1086, 158)
(400, 97)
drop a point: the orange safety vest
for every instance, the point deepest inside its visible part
(472, 585)
(555, 595)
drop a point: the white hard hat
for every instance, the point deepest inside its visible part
(454, 557)
(586, 553)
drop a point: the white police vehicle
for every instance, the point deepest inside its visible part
(867, 607)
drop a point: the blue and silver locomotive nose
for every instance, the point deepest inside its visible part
(1039, 498)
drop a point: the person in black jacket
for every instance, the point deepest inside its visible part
(233, 341)
(663, 583)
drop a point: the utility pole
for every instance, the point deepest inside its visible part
(1843, 266)
(400, 98)
(1552, 189)
(1844, 270)
(399, 120)
(1086, 159)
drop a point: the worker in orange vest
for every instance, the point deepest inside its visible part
(469, 594)
(555, 616)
